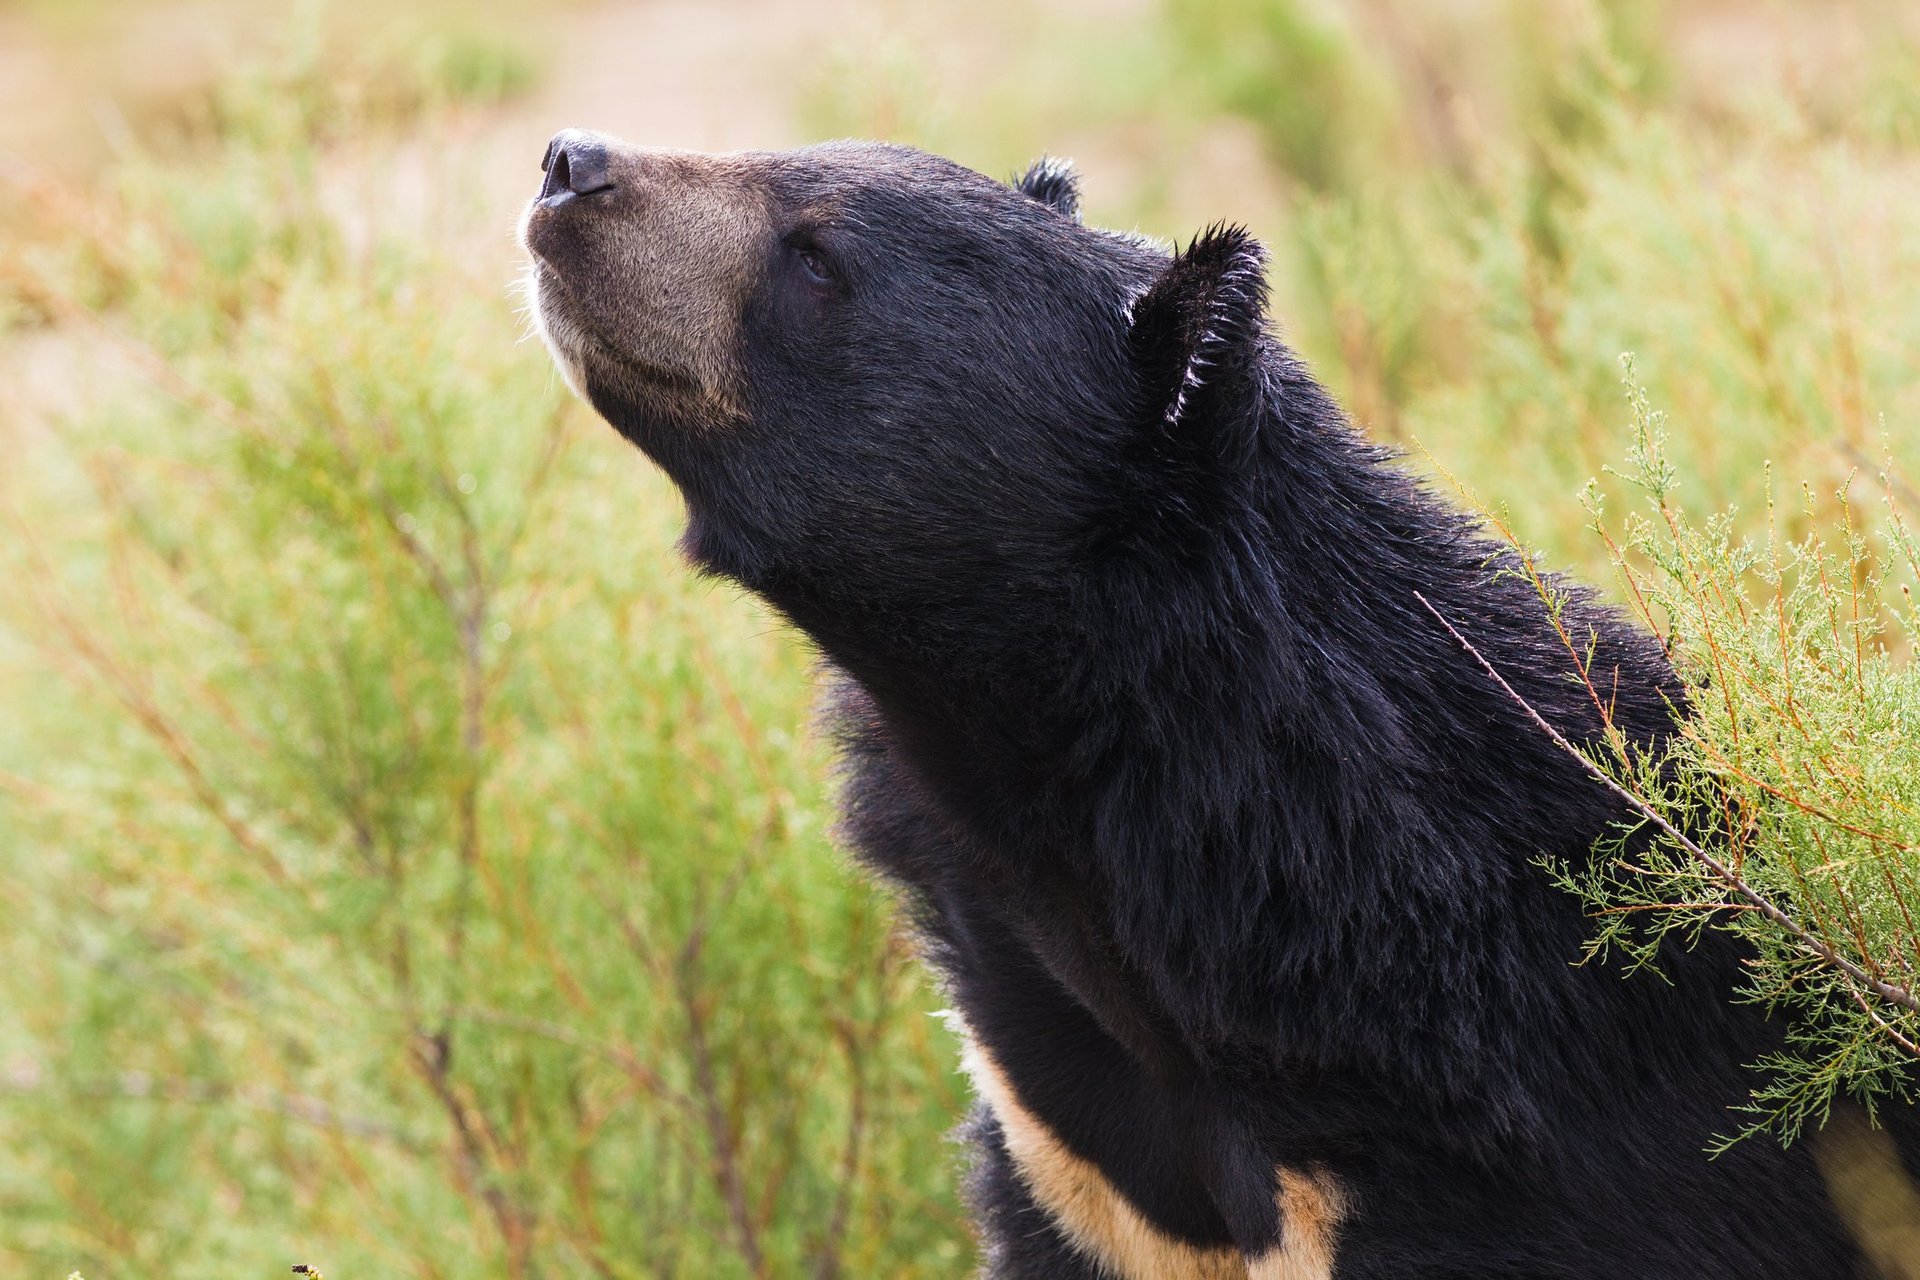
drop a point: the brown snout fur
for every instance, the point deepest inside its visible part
(640, 288)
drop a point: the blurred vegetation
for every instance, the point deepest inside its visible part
(407, 866)
(403, 868)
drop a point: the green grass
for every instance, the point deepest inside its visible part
(408, 866)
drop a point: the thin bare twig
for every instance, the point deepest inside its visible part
(720, 1128)
(432, 1056)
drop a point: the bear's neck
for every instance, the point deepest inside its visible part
(1264, 770)
(1287, 631)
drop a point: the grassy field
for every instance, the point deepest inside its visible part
(408, 867)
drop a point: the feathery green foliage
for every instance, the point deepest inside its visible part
(1792, 793)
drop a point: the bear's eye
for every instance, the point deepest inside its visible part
(813, 264)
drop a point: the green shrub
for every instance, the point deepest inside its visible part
(1787, 810)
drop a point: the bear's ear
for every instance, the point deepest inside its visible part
(1054, 184)
(1195, 332)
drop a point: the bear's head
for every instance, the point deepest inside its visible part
(887, 385)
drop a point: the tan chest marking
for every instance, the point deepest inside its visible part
(1311, 1207)
(1105, 1226)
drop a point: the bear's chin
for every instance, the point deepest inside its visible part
(627, 391)
(564, 340)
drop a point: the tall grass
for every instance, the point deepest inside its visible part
(407, 867)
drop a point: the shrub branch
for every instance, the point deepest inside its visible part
(1814, 945)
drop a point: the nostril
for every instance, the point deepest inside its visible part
(586, 167)
(558, 170)
(575, 165)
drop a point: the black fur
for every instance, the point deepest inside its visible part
(1053, 183)
(1222, 845)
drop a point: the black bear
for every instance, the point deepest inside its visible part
(1224, 847)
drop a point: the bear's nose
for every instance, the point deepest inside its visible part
(575, 165)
